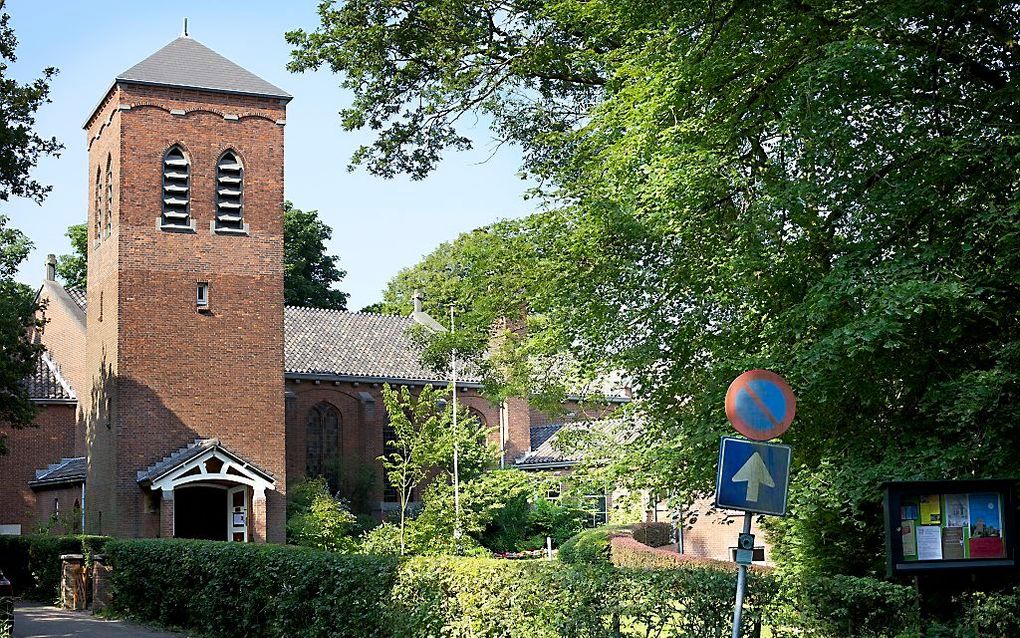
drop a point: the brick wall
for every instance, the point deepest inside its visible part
(63, 335)
(31, 449)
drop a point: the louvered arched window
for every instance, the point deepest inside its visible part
(229, 193)
(108, 223)
(322, 444)
(98, 206)
(176, 189)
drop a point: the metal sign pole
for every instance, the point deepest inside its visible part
(738, 606)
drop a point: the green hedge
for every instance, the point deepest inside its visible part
(846, 606)
(32, 562)
(233, 590)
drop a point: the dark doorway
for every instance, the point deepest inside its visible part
(200, 512)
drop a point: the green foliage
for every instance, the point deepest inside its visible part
(840, 606)
(235, 590)
(382, 540)
(73, 268)
(419, 427)
(316, 519)
(20, 146)
(309, 273)
(17, 316)
(826, 189)
(653, 534)
(32, 562)
(590, 547)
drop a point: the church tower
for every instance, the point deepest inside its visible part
(185, 413)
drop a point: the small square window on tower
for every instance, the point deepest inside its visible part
(202, 295)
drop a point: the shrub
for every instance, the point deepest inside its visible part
(233, 590)
(848, 606)
(590, 547)
(316, 519)
(653, 534)
(32, 562)
(383, 540)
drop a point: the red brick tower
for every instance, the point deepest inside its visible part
(185, 413)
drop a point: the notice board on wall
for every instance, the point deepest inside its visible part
(941, 525)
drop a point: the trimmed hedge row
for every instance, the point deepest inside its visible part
(32, 562)
(236, 589)
(233, 590)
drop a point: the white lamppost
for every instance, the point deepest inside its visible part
(456, 459)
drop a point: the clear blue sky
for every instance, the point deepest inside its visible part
(380, 226)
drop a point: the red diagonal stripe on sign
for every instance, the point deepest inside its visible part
(760, 404)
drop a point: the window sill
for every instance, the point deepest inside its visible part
(217, 230)
(176, 228)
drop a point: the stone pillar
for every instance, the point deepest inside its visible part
(73, 586)
(166, 514)
(258, 516)
(100, 583)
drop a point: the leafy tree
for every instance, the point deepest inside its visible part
(73, 268)
(20, 146)
(17, 315)
(308, 272)
(827, 189)
(20, 150)
(419, 424)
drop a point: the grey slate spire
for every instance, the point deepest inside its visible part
(189, 64)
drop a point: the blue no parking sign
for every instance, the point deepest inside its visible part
(753, 476)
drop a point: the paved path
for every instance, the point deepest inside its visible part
(32, 620)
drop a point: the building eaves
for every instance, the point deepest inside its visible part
(67, 471)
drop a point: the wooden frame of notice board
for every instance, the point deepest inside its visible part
(934, 526)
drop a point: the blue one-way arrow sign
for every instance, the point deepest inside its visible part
(752, 476)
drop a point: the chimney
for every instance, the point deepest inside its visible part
(417, 300)
(51, 267)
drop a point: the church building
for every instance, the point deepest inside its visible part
(177, 396)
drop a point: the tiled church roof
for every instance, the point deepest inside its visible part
(350, 344)
(79, 298)
(187, 63)
(46, 384)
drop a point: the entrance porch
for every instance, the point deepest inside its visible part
(208, 492)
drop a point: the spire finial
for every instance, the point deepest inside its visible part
(184, 31)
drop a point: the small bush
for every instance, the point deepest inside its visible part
(32, 562)
(316, 519)
(653, 534)
(590, 547)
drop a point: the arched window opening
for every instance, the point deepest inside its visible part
(322, 445)
(98, 207)
(176, 189)
(108, 224)
(229, 193)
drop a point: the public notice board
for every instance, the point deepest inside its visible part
(932, 525)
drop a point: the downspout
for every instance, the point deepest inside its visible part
(83, 507)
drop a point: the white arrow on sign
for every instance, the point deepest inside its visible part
(755, 474)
